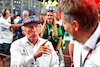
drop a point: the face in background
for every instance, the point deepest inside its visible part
(42, 17)
(49, 17)
(32, 31)
(26, 15)
(7, 14)
(58, 16)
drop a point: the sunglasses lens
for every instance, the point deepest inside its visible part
(50, 15)
(49, 10)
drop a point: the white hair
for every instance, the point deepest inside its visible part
(25, 11)
(23, 27)
(23, 30)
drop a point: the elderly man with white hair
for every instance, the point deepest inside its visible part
(31, 50)
(18, 33)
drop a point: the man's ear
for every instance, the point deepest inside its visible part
(76, 25)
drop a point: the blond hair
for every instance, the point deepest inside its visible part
(54, 28)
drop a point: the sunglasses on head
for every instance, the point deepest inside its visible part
(49, 10)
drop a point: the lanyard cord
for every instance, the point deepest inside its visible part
(89, 53)
(48, 30)
(49, 37)
(86, 57)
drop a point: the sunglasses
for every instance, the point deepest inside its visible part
(49, 10)
(50, 15)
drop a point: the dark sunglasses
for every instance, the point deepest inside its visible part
(50, 15)
(49, 10)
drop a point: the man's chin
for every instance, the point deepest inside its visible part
(34, 38)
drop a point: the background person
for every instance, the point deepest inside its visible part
(42, 17)
(18, 17)
(71, 50)
(18, 33)
(59, 22)
(52, 31)
(6, 35)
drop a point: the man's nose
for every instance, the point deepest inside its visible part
(34, 28)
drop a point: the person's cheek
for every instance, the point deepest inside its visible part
(65, 27)
(59, 15)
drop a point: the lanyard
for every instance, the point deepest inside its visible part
(49, 37)
(86, 58)
(48, 30)
(89, 53)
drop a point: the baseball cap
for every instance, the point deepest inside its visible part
(31, 19)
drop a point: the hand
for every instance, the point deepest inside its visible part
(13, 29)
(42, 50)
(56, 51)
(72, 65)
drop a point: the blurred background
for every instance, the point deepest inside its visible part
(33, 6)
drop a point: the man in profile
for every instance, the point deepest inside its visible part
(81, 22)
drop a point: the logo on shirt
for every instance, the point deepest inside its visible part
(23, 53)
(93, 64)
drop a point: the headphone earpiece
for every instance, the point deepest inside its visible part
(4, 12)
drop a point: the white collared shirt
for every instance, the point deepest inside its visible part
(17, 19)
(60, 23)
(6, 34)
(22, 54)
(93, 59)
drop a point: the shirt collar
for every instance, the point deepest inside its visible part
(91, 42)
